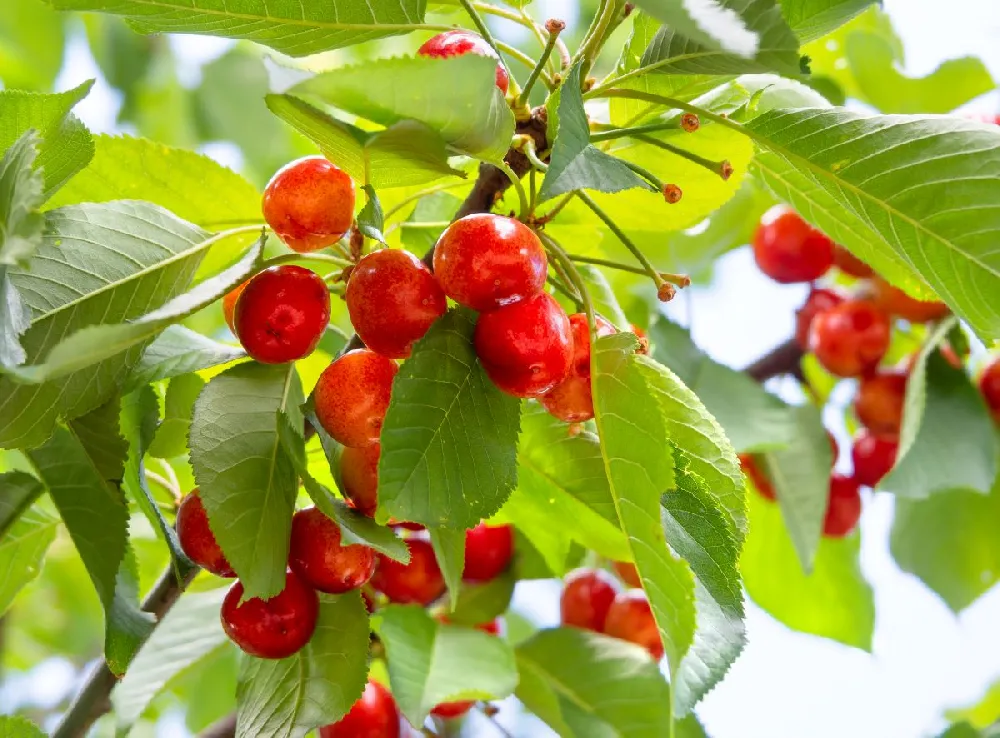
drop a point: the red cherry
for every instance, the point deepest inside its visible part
(452, 710)
(374, 715)
(486, 261)
(393, 299)
(819, 301)
(359, 477)
(880, 400)
(850, 339)
(321, 560)
(196, 538)
(586, 597)
(788, 249)
(282, 313)
(989, 385)
(525, 348)
(849, 264)
(490, 628)
(844, 508)
(309, 203)
(873, 456)
(581, 340)
(894, 301)
(352, 396)
(834, 448)
(275, 628)
(419, 582)
(760, 480)
(572, 400)
(643, 340)
(460, 43)
(630, 618)
(628, 573)
(229, 305)
(488, 551)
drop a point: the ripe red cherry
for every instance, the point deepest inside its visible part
(526, 348)
(359, 477)
(989, 385)
(628, 573)
(319, 558)
(460, 43)
(850, 339)
(352, 396)
(586, 597)
(894, 301)
(309, 203)
(819, 301)
(452, 710)
(760, 481)
(581, 340)
(848, 263)
(844, 509)
(631, 618)
(196, 538)
(374, 715)
(880, 400)
(486, 261)
(272, 629)
(393, 299)
(419, 582)
(488, 551)
(873, 456)
(788, 249)
(229, 305)
(282, 313)
(572, 400)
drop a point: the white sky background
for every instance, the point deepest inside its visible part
(789, 685)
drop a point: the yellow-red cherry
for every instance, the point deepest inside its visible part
(850, 339)
(873, 456)
(196, 537)
(229, 305)
(819, 301)
(460, 43)
(320, 558)
(572, 399)
(849, 264)
(894, 301)
(880, 400)
(630, 618)
(359, 477)
(989, 385)
(586, 598)
(627, 572)
(788, 250)
(760, 480)
(274, 628)
(309, 203)
(488, 551)
(843, 511)
(352, 396)
(374, 715)
(419, 582)
(452, 710)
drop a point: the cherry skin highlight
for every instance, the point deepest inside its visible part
(282, 313)
(460, 43)
(359, 477)
(196, 537)
(760, 480)
(628, 573)
(586, 598)
(526, 348)
(894, 301)
(486, 261)
(989, 385)
(488, 551)
(789, 250)
(274, 629)
(850, 339)
(873, 456)
(229, 305)
(352, 396)
(849, 264)
(374, 715)
(819, 301)
(880, 400)
(630, 618)
(309, 203)
(420, 582)
(320, 559)
(393, 299)
(844, 509)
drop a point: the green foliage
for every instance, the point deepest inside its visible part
(481, 603)
(178, 351)
(449, 551)
(20, 196)
(27, 530)
(812, 19)
(99, 435)
(18, 727)
(31, 45)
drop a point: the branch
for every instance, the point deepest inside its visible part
(784, 359)
(222, 728)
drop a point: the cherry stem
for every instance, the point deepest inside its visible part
(610, 13)
(681, 280)
(174, 491)
(722, 168)
(522, 197)
(647, 175)
(556, 209)
(554, 28)
(532, 154)
(484, 31)
(573, 274)
(525, 20)
(679, 124)
(419, 195)
(516, 53)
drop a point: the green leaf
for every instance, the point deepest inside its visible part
(431, 663)
(178, 404)
(603, 296)
(639, 465)
(371, 221)
(449, 550)
(469, 112)
(14, 321)
(586, 685)
(31, 45)
(317, 686)
(246, 478)
(19, 727)
(123, 56)
(834, 601)
(811, 19)
(866, 181)
(178, 351)
(540, 528)
(284, 25)
(981, 714)
(26, 533)
(482, 603)
(189, 632)
(448, 431)
(99, 434)
(20, 196)
(20, 490)
(109, 262)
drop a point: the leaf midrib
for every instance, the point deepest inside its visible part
(566, 691)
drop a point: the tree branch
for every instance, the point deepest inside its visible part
(222, 728)
(784, 359)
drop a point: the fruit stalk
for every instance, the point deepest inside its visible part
(554, 28)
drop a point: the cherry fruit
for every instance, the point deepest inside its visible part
(320, 559)
(196, 537)
(352, 396)
(819, 301)
(843, 511)
(229, 305)
(788, 250)
(873, 456)
(419, 582)
(393, 299)
(628, 573)
(760, 480)
(630, 618)
(896, 302)
(488, 551)
(359, 477)
(275, 628)
(586, 598)
(849, 264)
(880, 400)
(452, 710)
(374, 715)
(486, 261)
(989, 385)
(460, 43)
(309, 203)
(850, 339)
(572, 400)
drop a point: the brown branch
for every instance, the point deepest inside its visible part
(784, 359)
(222, 728)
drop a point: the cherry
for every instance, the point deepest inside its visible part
(586, 597)
(282, 313)
(319, 558)
(359, 477)
(488, 551)
(630, 618)
(880, 400)
(834, 448)
(819, 301)
(873, 456)
(374, 715)
(643, 340)
(989, 385)
(760, 481)
(196, 537)
(352, 396)
(229, 305)
(452, 710)
(460, 43)
(628, 573)
(274, 628)
(572, 400)
(581, 340)
(850, 339)
(844, 508)
(393, 299)
(894, 301)
(486, 261)
(526, 348)
(787, 249)
(849, 264)
(419, 582)
(309, 203)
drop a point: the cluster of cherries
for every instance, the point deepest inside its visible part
(849, 334)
